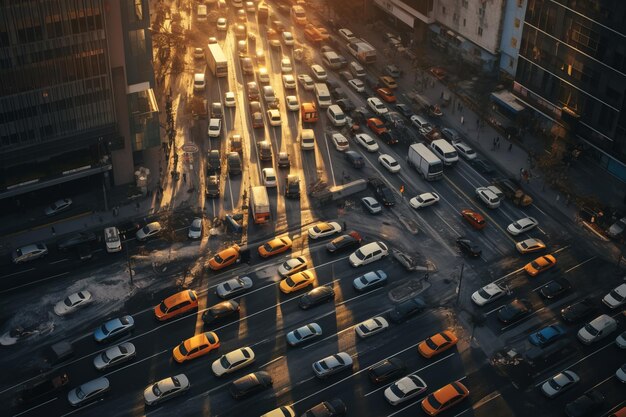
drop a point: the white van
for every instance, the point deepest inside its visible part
(199, 82)
(322, 95)
(331, 60)
(336, 115)
(357, 69)
(445, 151)
(597, 329)
(112, 239)
(201, 16)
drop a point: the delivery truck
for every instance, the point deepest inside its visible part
(425, 162)
(216, 60)
(260, 204)
(363, 51)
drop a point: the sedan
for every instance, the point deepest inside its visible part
(386, 370)
(539, 265)
(389, 163)
(405, 389)
(340, 142)
(559, 383)
(304, 334)
(376, 125)
(319, 72)
(292, 266)
(292, 103)
(579, 310)
(274, 247)
(377, 106)
(148, 231)
(514, 311)
(357, 85)
(114, 356)
(370, 280)
(386, 94)
(522, 226)
(464, 151)
(195, 229)
(450, 134)
(316, 296)
(371, 205)
(621, 374)
(297, 281)
(58, 206)
(251, 383)
(88, 391)
(222, 24)
(585, 405)
(555, 288)
(220, 311)
(474, 218)
(547, 335)
(273, 115)
(371, 327)
(306, 81)
(469, 248)
(289, 82)
(530, 245)
(72, 303)
(233, 361)
(616, 297)
(114, 328)
(367, 142)
(215, 128)
(437, 343)
(324, 229)
(268, 177)
(196, 346)
(488, 294)
(332, 364)
(224, 258)
(424, 200)
(233, 287)
(165, 389)
(404, 110)
(229, 99)
(285, 65)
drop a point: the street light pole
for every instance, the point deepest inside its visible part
(458, 287)
(130, 270)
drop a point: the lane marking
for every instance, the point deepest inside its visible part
(35, 407)
(581, 264)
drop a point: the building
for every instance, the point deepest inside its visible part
(572, 71)
(76, 98)
(512, 25)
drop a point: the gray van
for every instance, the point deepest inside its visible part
(355, 159)
(332, 60)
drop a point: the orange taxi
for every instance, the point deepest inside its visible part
(386, 94)
(437, 343)
(539, 265)
(474, 218)
(196, 346)
(444, 398)
(275, 246)
(176, 304)
(297, 281)
(376, 125)
(224, 258)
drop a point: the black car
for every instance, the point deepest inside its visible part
(387, 370)
(404, 110)
(585, 405)
(250, 384)
(332, 408)
(361, 115)
(555, 288)
(578, 311)
(350, 241)
(338, 93)
(214, 163)
(43, 385)
(515, 311)
(292, 186)
(406, 309)
(220, 311)
(468, 247)
(388, 137)
(482, 166)
(346, 75)
(128, 228)
(82, 238)
(234, 163)
(316, 296)
(354, 158)
(213, 186)
(383, 193)
(345, 105)
(216, 110)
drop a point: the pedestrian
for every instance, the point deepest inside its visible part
(54, 232)
(510, 146)
(462, 120)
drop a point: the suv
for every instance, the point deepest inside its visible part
(491, 196)
(213, 186)
(292, 186)
(383, 193)
(234, 163)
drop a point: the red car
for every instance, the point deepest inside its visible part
(386, 94)
(376, 125)
(475, 219)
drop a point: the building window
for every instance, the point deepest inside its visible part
(481, 11)
(443, 9)
(480, 31)
(464, 3)
(516, 22)
(135, 10)
(464, 21)
(514, 42)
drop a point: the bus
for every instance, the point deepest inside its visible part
(260, 204)
(216, 60)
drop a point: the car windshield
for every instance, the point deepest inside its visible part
(67, 302)
(104, 329)
(290, 282)
(79, 393)
(431, 344)
(105, 357)
(616, 296)
(484, 294)
(591, 330)
(267, 247)
(195, 228)
(359, 254)
(156, 391)
(554, 384)
(183, 349)
(433, 401)
(146, 229)
(396, 390)
(224, 362)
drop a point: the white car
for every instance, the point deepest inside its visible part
(303, 334)
(229, 99)
(292, 103)
(371, 327)
(88, 391)
(367, 142)
(233, 361)
(269, 177)
(233, 287)
(215, 128)
(195, 229)
(372, 205)
(222, 24)
(72, 303)
(263, 76)
(377, 106)
(405, 389)
(292, 266)
(620, 340)
(273, 115)
(114, 356)
(324, 229)
(559, 383)
(368, 253)
(357, 85)
(149, 230)
(288, 38)
(522, 226)
(198, 53)
(424, 200)
(165, 389)
(289, 82)
(488, 294)
(346, 34)
(307, 82)
(389, 163)
(340, 142)
(491, 196)
(465, 151)
(616, 297)
(332, 364)
(285, 65)
(319, 72)
(58, 206)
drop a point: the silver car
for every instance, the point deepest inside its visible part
(114, 328)
(88, 391)
(304, 334)
(332, 364)
(114, 355)
(149, 230)
(29, 253)
(233, 287)
(370, 280)
(58, 206)
(195, 229)
(166, 389)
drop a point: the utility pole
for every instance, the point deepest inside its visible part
(458, 287)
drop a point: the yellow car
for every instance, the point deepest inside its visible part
(199, 345)
(275, 246)
(224, 258)
(540, 264)
(437, 343)
(297, 281)
(444, 398)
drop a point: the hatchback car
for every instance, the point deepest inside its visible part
(297, 281)
(345, 242)
(324, 229)
(386, 370)
(72, 303)
(370, 280)
(371, 327)
(559, 383)
(387, 81)
(304, 334)
(475, 219)
(555, 288)
(233, 361)
(88, 391)
(233, 287)
(368, 253)
(522, 226)
(405, 389)
(539, 265)
(530, 245)
(514, 311)
(268, 177)
(547, 335)
(488, 294)
(390, 163)
(198, 345)
(340, 142)
(114, 356)
(316, 296)
(225, 257)
(306, 81)
(166, 389)
(250, 384)
(444, 398)
(148, 231)
(406, 309)
(437, 343)
(229, 99)
(319, 72)
(377, 106)
(292, 266)
(424, 200)
(220, 311)
(275, 247)
(332, 364)
(29, 253)
(371, 205)
(215, 128)
(367, 142)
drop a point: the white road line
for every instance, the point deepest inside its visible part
(581, 264)
(35, 407)
(83, 407)
(33, 282)
(17, 273)
(542, 285)
(602, 382)
(59, 261)
(272, 361)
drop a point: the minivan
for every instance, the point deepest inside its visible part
(233, 161)
(332, 60)
(323, 95)
(336, 115)
(199, 82)
(445, 151)
(112, 239)
(597, 329)
(357, 69)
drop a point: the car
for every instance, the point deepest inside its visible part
(288, 39)
(285, 65)
(233, 361)
(58, 206)
(283, 160)
(319, 72)
(332, 408)
(340, 142)
(404, 110)
(491, 196)
(357, 85)
(263, 76)
(382, 191)
(559, 383)
(233, 163)
(233, 287)
(444, 398)
(547, 335)
(621, 375)
(212, 39)
(523, 225)
(424, 200)
(620, 340)
(148, 231)
(253, 92)
(389, 163)
(530, 245)
(579, 310)
(367, 142)
(128, 228)
(468, 247)
(113, 329)
(488, 294)
(273, 115)
(407, 309)
(369, 253)
(216, 110)
(114, 356)
(370, 280)
(275, 246)
(376, 125)
(344, 242)
(539, 265)
(474, 218)
(555, 288)
(88, 391)
(346, 34)
(597, 329)
(304, 334)
(316, 296)
(198, 53)
(73, 302)
(293, 266)
(176, 305)
(306, 81)
(166, 389)
(393, 71)
(337, 93)
(616, 297)
(195, 229)
(292, 103)
(371, 205)
(212, 187)
(324, 229)
(220, 311)
(386, 370)
(214, 161)
(250, 384)
(331, 365)
(386, 94)
(437, 343)
(464, 150)
(257, 120)
(225, 257)
(377, 106)
(222, 24)
(268, 177)
(289, 82)
(617, 228)
(298, 281)
(585, 405)
(452, 135)
(346, 75)
(229, 99)
(215, 128)
(371, 327)
(198, 345)
(514, 311)
(405, 389)
(387, 81)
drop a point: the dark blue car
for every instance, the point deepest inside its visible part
(547, 335)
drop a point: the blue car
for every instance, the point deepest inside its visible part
(114, 328)
(547, 335)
